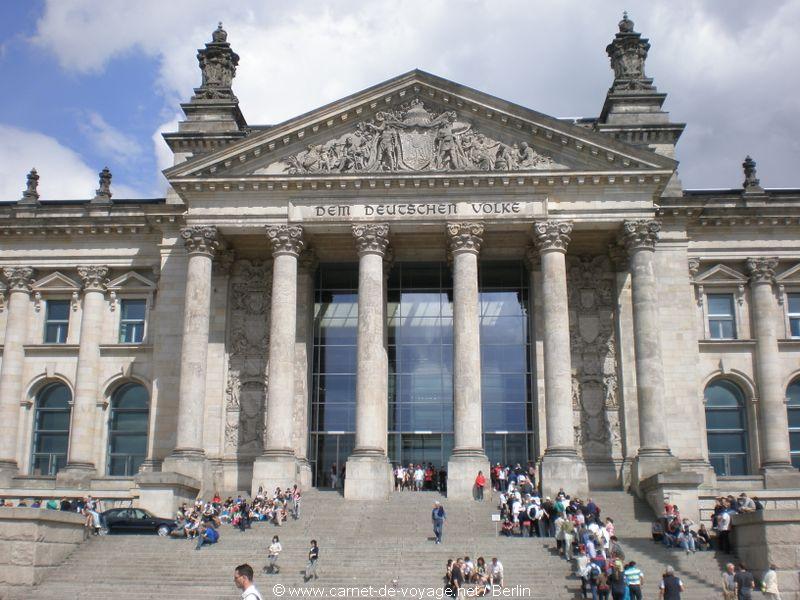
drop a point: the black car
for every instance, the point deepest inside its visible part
(134, 520)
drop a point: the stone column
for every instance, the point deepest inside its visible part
(561, 465)
(188, 458)
(772, 417)
(639, 238)
(468, 456)
(304, 344)
(19, 280)
(368, 469)
(277, 466)
(80, 458)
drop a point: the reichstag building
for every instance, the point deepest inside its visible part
(419, 272)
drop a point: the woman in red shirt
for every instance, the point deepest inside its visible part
(480, 483)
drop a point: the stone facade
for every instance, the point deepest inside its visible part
(623, 264)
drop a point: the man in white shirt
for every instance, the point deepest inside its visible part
(496, 572)
(243, 579)
(724, 531)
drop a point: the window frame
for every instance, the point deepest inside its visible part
(36, 431)
(736, 303)
(46, 321)
(120, 322)
(744, 431)
(110, 433)
(794, 453)
(790, 315)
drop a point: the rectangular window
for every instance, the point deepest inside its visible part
(794, 315)
(56, 322)
(131, 321)
(721, 320)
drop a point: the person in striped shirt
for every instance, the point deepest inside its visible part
(634, 578)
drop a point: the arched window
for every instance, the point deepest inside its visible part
(127, 429)
(793, 406)
(726, 427)
(51, 429)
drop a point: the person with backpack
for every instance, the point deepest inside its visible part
(671, 586)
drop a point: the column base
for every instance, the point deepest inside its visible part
(462, 469)
(303, 474)
(781, 476)
(367, 477)
(563, 469)
(76, 475)
(651, 462)
(274, 470)
(190, 462)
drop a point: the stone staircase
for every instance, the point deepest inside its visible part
(361, 544)
(700, 572)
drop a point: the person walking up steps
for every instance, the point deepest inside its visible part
(273, 553)
(313, 558)
(438, 518)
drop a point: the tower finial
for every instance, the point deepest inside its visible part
(751, 183)
(103, 193)
(31, 193)
(627, 52)
(218, 66)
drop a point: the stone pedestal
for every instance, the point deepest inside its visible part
(462, 469)
(567, 472)
(304, 475)
(163, 493)
(368, 470)
(647, 465)
(271, 471)
(187, 462)
(681, 489)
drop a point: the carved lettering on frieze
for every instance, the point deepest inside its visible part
(414, 138)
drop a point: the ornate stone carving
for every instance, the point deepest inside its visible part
(413, 138)
(31, 193)
(18, 278)
(286, 239)
(371, 238)
(751, 182)
(103, 192)
(640, 234)
(590, 284)
(202, 239)
(552, 235)
(628, 52)
(94, 277)
(223, 262)
(465, 237)
(248, 346)
(694, 267)
(218, 66)
(762, 269)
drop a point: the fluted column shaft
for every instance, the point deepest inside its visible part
(19, 290)
(772, 416)
(639, 238)
(82, 438)
(551, 239)
(202, 243)
(287, 244)
(465, 241)
(372, 367)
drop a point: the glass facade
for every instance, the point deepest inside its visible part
(726, 427)
(51, 430)
(793, 408)
(420, 352)
(127, 430)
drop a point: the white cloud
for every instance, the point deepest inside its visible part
(109, 140)
(726, 71)
(63, 174)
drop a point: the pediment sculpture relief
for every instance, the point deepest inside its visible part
(412, 138)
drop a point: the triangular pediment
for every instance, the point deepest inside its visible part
(418, 123)
(790, 275)
(131, 281)
(56, 282)
(721, 274)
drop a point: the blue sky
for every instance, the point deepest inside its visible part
(93, 83)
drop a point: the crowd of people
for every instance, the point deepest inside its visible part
(419, 478)
(463, 572)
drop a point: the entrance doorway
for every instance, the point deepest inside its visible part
(332, 451)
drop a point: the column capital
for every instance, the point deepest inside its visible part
(552, 236)
(639, 234)
(202, 239)
(761, 269)
(308, 261)
(20, 279)
(94, 277)
(286, 239)
(371, 238)
(465, 237)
